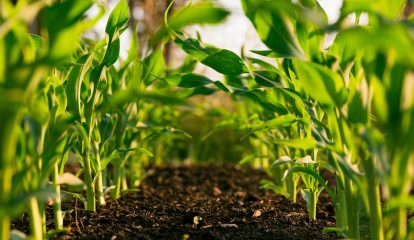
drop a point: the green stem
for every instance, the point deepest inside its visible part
(116, 193)
(42, 210)
(291, 188)
(105, 177)
(57, 203)
(313, 199)
(124, 180)
(375, 212)
(340, 209)
(5, 226)
(99, 180)
(5, 187)
(352, 209)
(100, 190)
(90, 188)
(8, 139)
(42, 205)
(401, 223)
(35, 219)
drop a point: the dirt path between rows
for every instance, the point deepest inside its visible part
(198, 202)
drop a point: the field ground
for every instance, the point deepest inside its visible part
(226, 200)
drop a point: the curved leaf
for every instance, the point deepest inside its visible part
(188, 80)
(321, 83)
(221, 60)
(315, 175)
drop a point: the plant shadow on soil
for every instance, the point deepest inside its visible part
(226, 200)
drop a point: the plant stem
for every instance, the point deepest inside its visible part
(42, 210)
(8, 139)
(5, 187)
(99, 180)
(5, 226)
(116, 193)
(401, 223)
(35, 219)
(340, 209)
(313, 199)
(40, 150)
(90, 188)
(291, 188)
(352, 209)
(57, 203)
(124, 180)
(100, 190)
(375, 212)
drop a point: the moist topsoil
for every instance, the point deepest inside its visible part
(196, 202)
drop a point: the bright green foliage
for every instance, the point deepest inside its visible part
(64, 99)
(348, 108)
(221, 60)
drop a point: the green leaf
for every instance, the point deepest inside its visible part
(198, 13)
(268, 78)
(61, 98)
(225, 62)
(116, 23)
(136, 150)
(154, 66)
(296, 98)
(39, 109)
(83, 133)
(315, 175)
(321, 83)
(61, 20)
(307, 195)
(38, 41)
(274, 26)
(302, 143)
(74, 84)
(188, 80)
(379, 100)
(263, 101)
(391, 9)
(263, 64)
(117, 19)
(396, 203)
(133, 51)
(357, 111)
(281, 121)
(202, 90)
(387, 37)
(112, 52)
(221, 60)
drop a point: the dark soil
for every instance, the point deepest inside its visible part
(226, 200)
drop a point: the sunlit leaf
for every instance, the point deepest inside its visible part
(321, 83)
(275, 28)
(221, 60)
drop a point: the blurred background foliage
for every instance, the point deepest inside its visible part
(207, 143)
